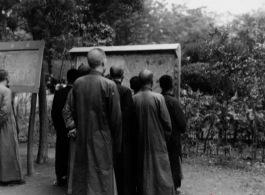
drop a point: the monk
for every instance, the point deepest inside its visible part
(178, 126)
(96, 122)
(62, 140)
(10, 162)
(123, 166)
(153, 131)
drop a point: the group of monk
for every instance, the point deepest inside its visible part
(126, 143)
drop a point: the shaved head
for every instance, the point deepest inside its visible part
(83, 70)
(146, 77)
(117, 71)
(96, 57)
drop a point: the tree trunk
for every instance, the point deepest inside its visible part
(44, 130)
(207, 137)
(255, 138)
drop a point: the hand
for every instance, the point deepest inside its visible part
(72, 133)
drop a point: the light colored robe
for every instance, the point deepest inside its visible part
(153, 129)
(96, 115)
(10, 163)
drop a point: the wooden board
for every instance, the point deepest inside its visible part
(159, 64)
(23, 61)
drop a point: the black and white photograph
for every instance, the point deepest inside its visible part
(132, 97)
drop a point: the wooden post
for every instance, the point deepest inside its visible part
(42, 156)
(30, 159)
(71, 165)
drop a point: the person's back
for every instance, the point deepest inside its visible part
(98, 129)
(123, 164)
(154, 129)
(178, 127)
(62, 141)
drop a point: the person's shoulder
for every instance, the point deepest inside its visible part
(124, 88)
(157, 95)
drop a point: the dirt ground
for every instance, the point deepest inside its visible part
(203, 176)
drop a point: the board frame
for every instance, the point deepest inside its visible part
(176, 48)
(26, 46)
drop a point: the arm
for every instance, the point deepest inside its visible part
(165, 119)
(179, 117)
(69, 112)
(6, 105)
(54, 111)
(114, 112)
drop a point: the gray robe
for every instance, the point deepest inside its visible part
(154, 129)
(10, 163)
(96, 115)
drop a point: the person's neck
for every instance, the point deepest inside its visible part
(147, 86)
(167, 92)
(3, 83)
(99, 69)
(118, 80)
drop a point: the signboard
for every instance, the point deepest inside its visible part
(23, 62)
(159, 63)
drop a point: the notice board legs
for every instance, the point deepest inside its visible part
(30, 158)
(71, 165)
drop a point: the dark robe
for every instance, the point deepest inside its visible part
(10, 163)
(154, 129)
(123, 166)
(98, 126)
(62, 140)
(174, 144)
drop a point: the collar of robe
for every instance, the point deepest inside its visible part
(95, 72)
(117, 82)
(166, 93)
(146, 89)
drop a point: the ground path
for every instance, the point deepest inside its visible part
(199, 180)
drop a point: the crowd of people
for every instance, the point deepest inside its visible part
(126, 143)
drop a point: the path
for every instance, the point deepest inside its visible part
(199, 180)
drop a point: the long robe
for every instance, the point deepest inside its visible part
(98, 126)
(62, 140)
(10, 163)
(123, 164)
(174, 144)
(154, 129)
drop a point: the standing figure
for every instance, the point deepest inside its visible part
(62, 140)
(153, 131)
(10, 163)
(95, 120)
(178, 126)
(123, 166)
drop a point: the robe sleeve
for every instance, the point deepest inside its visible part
(115, 120)
(5, 106)
(69, 112)
(165, 119)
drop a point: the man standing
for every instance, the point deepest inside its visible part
(154, 129)
(123, 169)
(97, 119)
(178, 126)
(62, 141)
(10, 162)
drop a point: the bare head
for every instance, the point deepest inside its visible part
(146, 78)
(83, 70)
(117, 72)
(166, 83)
(97, 59)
